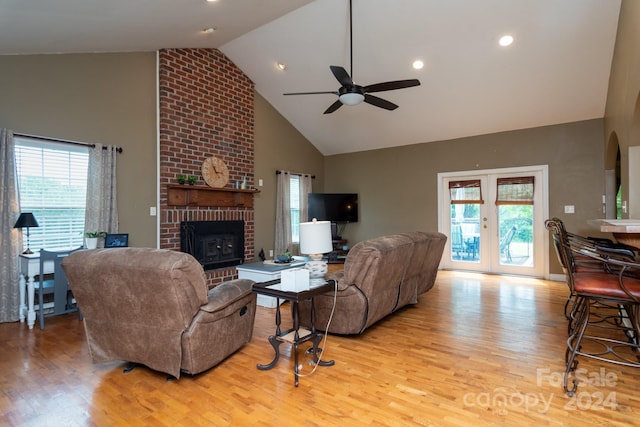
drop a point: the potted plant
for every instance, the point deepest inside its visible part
(192, 179)
(181, 179)
(284, 257)
(91, 238)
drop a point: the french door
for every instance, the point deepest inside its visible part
(494, 220)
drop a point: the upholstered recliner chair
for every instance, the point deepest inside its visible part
(152, 307)
(380, 276)
(422, 267)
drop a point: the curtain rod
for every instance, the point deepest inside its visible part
(64, 141)
(278, 172)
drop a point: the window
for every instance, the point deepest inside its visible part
(515, 191)
(52, 181)
(465, 192)
(619, 203)
(294, 206)
(515, 196)
(466, 197)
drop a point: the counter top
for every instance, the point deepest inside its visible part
(625, 231)
(617, 225)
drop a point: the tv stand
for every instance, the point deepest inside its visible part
(337, 255)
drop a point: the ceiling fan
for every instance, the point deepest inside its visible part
(352, 94)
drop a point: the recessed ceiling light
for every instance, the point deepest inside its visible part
(281, 66)
(506, 40)
(417, 64)
(211, 1)
(208, 30)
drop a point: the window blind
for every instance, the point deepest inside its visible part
(52, 182)
(515, 191)
(465, 192)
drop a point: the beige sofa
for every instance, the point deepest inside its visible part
(152, 307)
(380, 276)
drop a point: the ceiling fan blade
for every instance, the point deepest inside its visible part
(341, 75)
(350, 91)
(379, 102)
(396, 84)
(333, 107)
(312, 93)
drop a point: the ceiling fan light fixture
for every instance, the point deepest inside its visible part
(506, 40)
(351, 98)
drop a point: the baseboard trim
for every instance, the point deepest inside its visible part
(558, 277)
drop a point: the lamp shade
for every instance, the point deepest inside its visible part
(315, 237)
(26, 219)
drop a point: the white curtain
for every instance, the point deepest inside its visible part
(283, 213)
(284, 241)
(10, 238)
(102, 208)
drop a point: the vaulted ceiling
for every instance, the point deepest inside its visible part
(555, 71)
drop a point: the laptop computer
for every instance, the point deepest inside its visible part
(116, 241)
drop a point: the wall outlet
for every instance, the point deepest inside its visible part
(152, 211)
(270, 253)
(569, 209)
(260, 183)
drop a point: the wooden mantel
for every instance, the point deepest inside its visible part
(201, 196)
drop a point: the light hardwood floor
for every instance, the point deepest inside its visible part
(476, 350)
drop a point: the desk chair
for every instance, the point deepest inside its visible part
(58, 286)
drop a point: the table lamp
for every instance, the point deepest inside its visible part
(26, 219)
(315, 240)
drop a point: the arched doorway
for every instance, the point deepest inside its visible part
(613, 179)
(633, 160)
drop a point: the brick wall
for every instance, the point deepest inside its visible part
(206, 109)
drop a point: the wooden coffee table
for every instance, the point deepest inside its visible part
(296, 335)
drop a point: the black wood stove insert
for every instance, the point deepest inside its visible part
(215, 244)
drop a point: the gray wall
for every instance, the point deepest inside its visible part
(93, 98)
(278, 146)
(398, 186)
(622, 114)
(111, 99)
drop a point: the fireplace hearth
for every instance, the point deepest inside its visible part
(215, 244)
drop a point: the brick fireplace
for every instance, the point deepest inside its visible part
(206, 109)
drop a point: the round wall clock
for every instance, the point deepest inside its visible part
(215, 172)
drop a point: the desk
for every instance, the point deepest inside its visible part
(29, 268)
(296, 335)
(625, 231)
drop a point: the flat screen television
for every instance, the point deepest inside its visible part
(334, 207)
